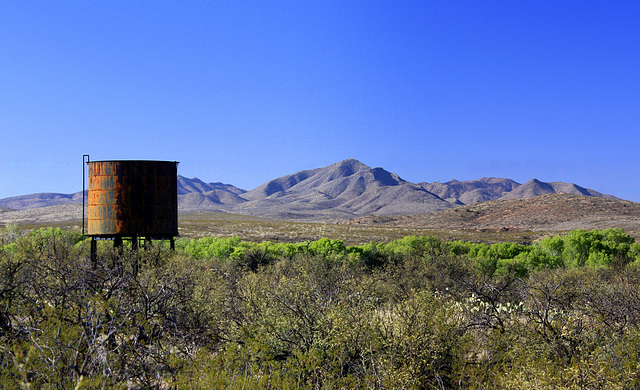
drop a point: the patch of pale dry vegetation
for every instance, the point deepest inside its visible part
(196, 225)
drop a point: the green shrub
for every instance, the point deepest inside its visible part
(209, 247)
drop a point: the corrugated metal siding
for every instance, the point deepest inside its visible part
(130, 198)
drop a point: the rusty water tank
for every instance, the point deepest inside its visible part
(133, 198)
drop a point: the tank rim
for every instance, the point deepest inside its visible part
(156, 161)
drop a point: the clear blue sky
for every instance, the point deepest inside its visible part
(243, 92)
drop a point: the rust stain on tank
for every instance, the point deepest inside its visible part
(133, 198)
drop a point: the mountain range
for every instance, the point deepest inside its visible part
(345, 189)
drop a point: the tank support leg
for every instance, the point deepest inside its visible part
(94, 252)
(172, 244)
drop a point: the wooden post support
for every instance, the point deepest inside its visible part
(94, 252)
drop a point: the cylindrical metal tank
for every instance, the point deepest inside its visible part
(133, 198)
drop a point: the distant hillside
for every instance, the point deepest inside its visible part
(346, 189)
(551, 212)
(535, 187)
(467, 192)
(186, 186)
(44, 199)
(194, 194)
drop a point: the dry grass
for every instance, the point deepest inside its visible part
(195, 225)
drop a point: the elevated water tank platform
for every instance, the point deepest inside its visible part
(132, 199)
